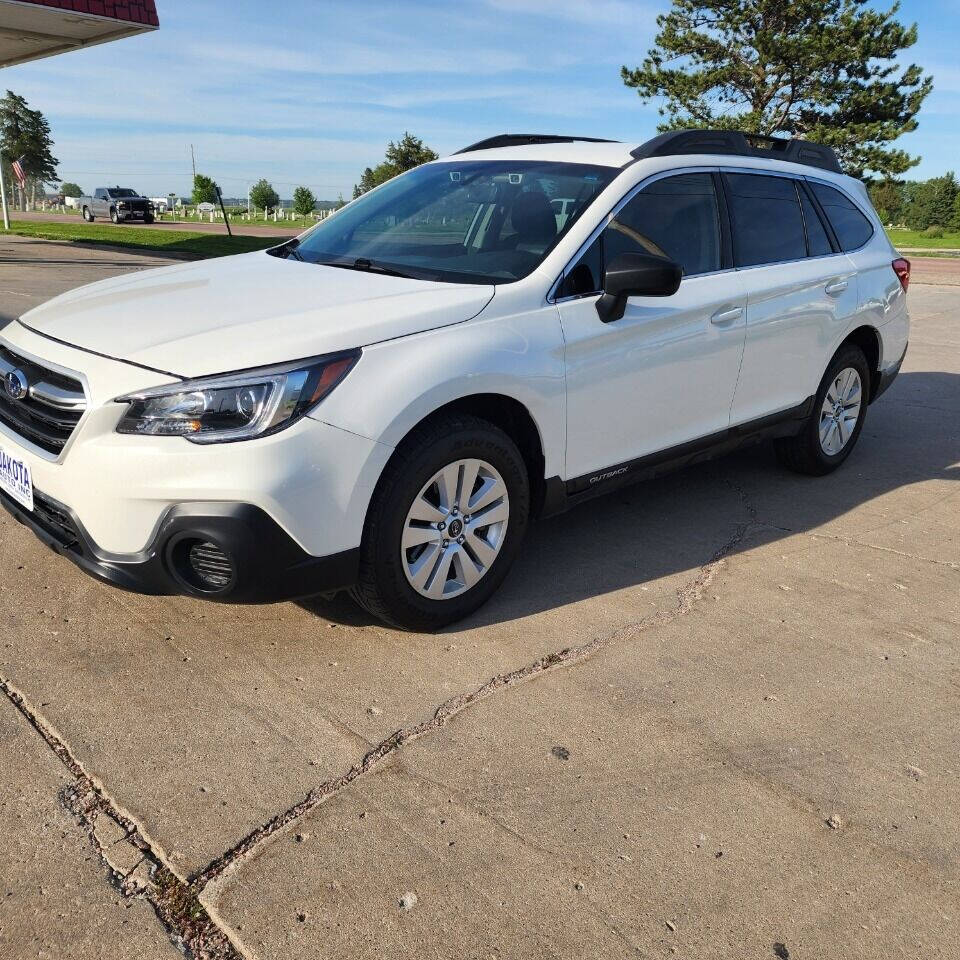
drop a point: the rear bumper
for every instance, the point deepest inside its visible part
(267, 564)
(888, 376)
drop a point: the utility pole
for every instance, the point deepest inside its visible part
(193, 162)
(3, 198)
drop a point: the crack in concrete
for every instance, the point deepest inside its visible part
(190, 925)
(687, 597)
(182, 904)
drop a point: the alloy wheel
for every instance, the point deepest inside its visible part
(454, 529)
(840, 411)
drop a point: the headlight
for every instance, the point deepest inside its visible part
(237, 406)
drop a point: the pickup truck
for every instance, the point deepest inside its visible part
(118, 203)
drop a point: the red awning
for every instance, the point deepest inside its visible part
(31, 29)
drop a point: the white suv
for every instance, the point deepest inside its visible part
(384, 402)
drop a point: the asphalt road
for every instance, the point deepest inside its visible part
(713, 715)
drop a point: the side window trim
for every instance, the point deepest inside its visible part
(618, 206)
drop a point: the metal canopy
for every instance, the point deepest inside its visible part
(31, 29)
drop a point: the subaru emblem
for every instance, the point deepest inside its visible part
(16, 384)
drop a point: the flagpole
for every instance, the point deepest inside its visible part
(3, 199)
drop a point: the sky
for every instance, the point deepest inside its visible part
(310, 91)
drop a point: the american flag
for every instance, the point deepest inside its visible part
(18, 173)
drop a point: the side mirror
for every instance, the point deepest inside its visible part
(636, 275)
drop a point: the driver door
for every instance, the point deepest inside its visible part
(665, 373)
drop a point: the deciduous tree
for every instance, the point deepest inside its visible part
(825, 70)
(304, 201)
(70, 189)
(263, 196)
(204, 189)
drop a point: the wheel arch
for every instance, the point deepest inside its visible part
(867, 338)
(512, 417)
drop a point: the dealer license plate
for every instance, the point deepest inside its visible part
(15, 479)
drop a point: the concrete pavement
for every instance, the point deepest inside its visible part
(708, 716)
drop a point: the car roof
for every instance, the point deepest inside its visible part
(619, 155)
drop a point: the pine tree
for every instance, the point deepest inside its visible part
(823, 70)
(25, 136)
(408, 153)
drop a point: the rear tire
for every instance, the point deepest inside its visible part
(87, 215)
(462, 561)
(839, 410)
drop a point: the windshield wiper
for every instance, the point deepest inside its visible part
(368, 266)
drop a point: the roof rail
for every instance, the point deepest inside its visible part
(524, 139)
(736, 143)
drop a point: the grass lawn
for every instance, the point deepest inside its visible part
(915, 238)
(204, 245)
(200, 245)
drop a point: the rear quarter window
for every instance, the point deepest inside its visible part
(852, 228)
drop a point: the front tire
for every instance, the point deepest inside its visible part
(115, 217)
(839, 410)
(445, 524)
(148, 218)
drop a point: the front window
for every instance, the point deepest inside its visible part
(471, 222)
(675, 217)
(123, 193)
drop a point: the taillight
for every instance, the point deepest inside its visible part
(901, 267)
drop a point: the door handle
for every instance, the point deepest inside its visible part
(836, 286)
(727, 316)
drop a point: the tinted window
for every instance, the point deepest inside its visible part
(852, 228)
(675, 217)
(818, 243)
(766, 219)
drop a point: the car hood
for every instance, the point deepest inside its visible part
(247, 311)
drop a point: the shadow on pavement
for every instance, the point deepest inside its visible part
(676, 523)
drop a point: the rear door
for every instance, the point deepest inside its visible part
(801, 292)
(665, 372)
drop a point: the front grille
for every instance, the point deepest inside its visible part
(52, 518)
(50, 412)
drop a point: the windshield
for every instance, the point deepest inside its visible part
(471, 222)
(118, 192)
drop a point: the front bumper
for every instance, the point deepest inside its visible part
(267, 564)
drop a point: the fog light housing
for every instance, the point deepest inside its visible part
(202, 565)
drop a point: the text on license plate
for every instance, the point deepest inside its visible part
(15, 479)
